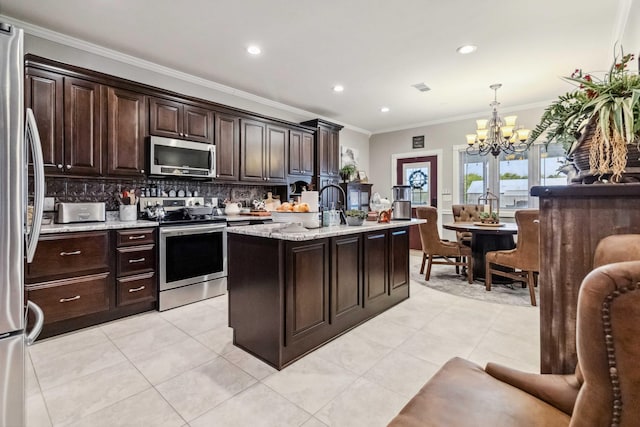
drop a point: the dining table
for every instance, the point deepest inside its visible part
(486, 238)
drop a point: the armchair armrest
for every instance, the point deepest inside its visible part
(559, 391)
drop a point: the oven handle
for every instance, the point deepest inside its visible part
(212, 161)
(193, 230)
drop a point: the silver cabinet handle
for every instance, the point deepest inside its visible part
(186, 135)
(131, 261)
(137, 289)
(59, 166)
(141, 170)
(70, 253)
(39, 322)
(142, 236)
(68, 166)
(77, 297)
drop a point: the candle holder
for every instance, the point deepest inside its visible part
(489, 214)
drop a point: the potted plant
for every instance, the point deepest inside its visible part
(347, 171)
(489, 218)
(598, 123)
(355, 216)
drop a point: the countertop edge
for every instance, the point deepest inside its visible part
(96, 226)
(270, 230)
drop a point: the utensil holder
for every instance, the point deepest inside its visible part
(128, 213)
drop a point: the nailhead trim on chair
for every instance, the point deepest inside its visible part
(611, 352)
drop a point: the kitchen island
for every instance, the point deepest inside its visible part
(290, 293)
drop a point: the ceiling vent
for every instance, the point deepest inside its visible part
(422, 87)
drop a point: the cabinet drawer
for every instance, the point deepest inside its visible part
(138, 236)
(67, 255)
(136, 260)
(135, 289)
(69, 298)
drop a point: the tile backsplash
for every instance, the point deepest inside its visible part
(103, 190)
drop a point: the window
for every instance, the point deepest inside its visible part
(509, 176)
(417, 176)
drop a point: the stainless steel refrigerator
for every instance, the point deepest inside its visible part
(18, 234)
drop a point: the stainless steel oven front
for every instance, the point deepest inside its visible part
(193, 263)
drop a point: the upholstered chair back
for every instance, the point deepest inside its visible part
(429, 235)
(528, 245)
(466, 213)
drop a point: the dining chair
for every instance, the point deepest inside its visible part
(523, 262)
(438, 251)
(466, 213)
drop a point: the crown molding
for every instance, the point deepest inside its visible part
(74, 42)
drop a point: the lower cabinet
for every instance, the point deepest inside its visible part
(291, 297)
(85, 278)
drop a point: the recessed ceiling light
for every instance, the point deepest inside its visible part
(254, 50)
(338, 88)
(384, 109)
(467, 48)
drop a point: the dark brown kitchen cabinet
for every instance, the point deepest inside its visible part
(227, 131)
(174, 119)
(125, 132)
(306, 294)
(263, 150)
(358, 195)
(328, 151)
(135, 267)
(330, 196)
(398, 264)
(301, 153)
(347, 308)
(82, 127)
(376, 280)
(44, 95)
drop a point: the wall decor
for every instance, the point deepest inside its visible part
(349, 156)
(418, 141)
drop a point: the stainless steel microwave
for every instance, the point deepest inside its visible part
(177, 157)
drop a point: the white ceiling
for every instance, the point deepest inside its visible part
(376, 49)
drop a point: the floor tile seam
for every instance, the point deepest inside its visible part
(180, 373)
(71, 351)
(186, 331)
(242, 369)
(164, 345)
(340, 391)
(517, 336)
(35, 374)
(46, 407)
(352, 371)
(395, 347)
(363, 376)
(186, 423)
(124, 319)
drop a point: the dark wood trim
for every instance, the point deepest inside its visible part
(591, 190)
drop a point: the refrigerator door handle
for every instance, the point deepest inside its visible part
(32, 135)
(37, 327)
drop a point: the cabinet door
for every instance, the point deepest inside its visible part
(198, 124)
(330, 195)
(227, 130)
(323, 151)
(165, 118)
(276, 154)
(399, 264)
(252, 150)
(125, 132)
(44, 95)
(376, 281)
(307, 293)
(82, 127)
(333, 159)
(347, 307)
(295, 148)
(307, 154)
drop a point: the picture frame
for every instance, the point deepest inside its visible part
(362, 176)
(418, 141)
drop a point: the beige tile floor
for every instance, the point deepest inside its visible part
(179, 368)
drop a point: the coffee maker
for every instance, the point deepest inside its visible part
(401, 202)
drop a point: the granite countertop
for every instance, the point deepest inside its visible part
(272, 230)
(112, 223)
(239, 217)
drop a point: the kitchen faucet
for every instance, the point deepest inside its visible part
(343, 203)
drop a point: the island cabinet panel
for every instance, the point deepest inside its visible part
(376, 279)
(307, 295)
(399, 264)
(347, 308)
(227, 129)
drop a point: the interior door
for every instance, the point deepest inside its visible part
(421, 173)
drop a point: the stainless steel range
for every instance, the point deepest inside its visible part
(192, 249)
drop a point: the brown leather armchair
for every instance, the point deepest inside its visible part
(438, 251)
(524, 260)
(466, 213)
(604, 391)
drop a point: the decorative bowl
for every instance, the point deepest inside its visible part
(353, 220)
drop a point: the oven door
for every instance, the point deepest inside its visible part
(192, 254)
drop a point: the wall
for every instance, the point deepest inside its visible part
(92, 61)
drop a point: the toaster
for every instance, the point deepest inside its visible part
(80, 212)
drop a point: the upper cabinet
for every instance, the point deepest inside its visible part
(125, 132)
(301, 153)
(227, 131)
(182, 121)
(68, 113)
(327, 147)
(263, 152)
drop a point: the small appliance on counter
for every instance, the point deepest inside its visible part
(401, 202)
(80, 212)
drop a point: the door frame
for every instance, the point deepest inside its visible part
(438, 153)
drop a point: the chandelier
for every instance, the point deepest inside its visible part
(496, 135)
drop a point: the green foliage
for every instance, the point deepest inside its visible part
(356, 213)
(511, 175)
(469, 178)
